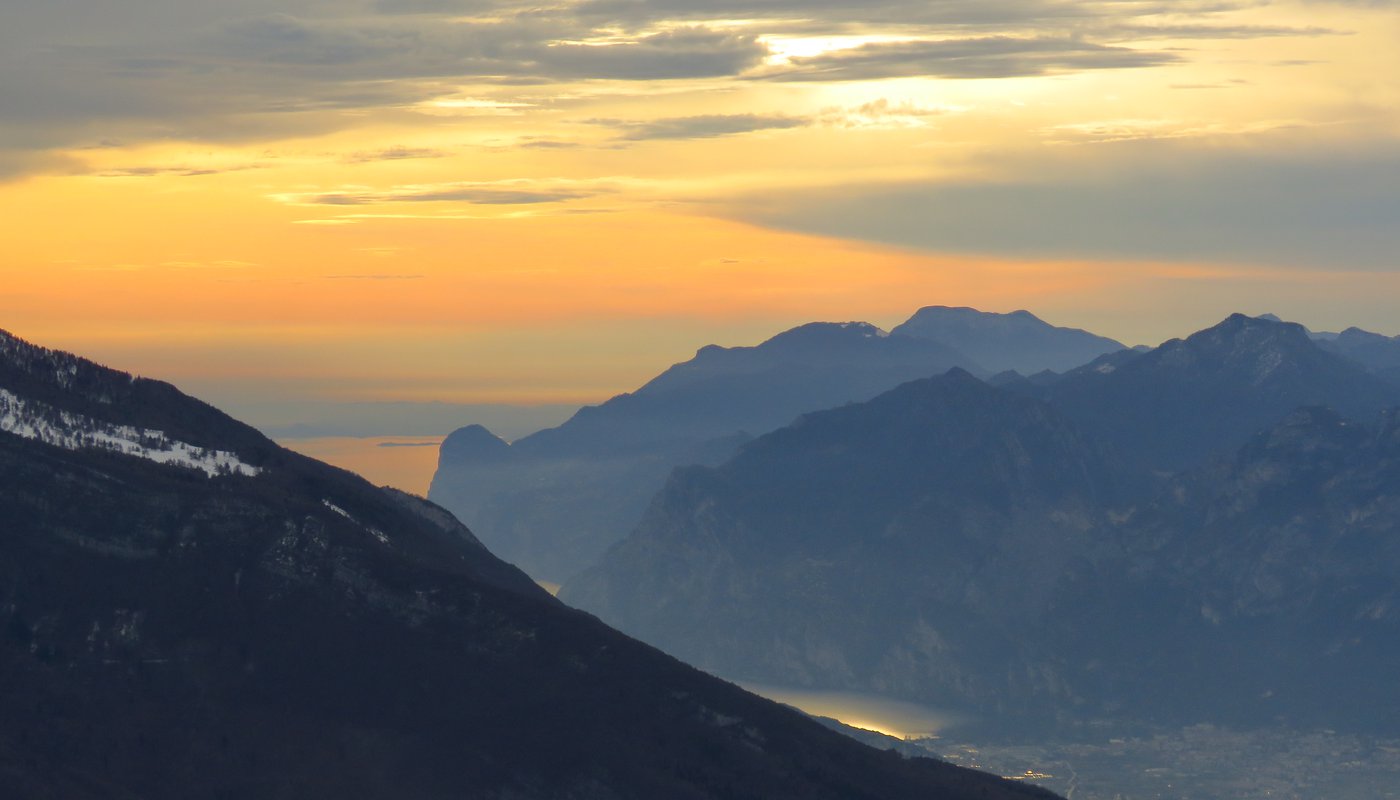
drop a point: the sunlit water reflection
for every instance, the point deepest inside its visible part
(871, 712)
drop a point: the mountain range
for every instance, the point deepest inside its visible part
(554, 501)
(189, 611)
(1205, 531)
(1173, 406)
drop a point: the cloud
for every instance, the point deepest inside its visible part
(1159, 31)
(817, 17)
(173, 171)
(17, 163)
(987, 57)
(705, 126)
(547, 144)
(258, 71)
(880, 113)
(692, 52)
(396, 153)
(497, 193)
(840, 15)
(1142, 200)
(78, 72)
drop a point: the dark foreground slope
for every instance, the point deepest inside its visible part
(255, 624)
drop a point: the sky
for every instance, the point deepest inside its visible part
(383, 203)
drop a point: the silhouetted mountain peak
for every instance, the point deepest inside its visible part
(963, 315)
(1359, 335)
(822, 335)
(1018, 340)
(473, 443)
(960, 375)
(1249, 346)
(1172, 407)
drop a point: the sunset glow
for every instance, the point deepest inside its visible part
(486, 202)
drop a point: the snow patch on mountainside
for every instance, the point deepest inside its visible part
(372, 531)
(44, 423)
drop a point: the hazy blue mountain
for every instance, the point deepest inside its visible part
(1171, 407)
(189, 611)
(1018, 341)
(554, 501)
(909, 545)
(1261, 588)
(1377, 353)
(973, 547)
(1380, 354)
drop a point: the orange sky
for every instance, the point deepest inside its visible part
(335, 202)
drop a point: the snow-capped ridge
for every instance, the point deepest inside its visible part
(41, 422)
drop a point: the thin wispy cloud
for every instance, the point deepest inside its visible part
(989, 57)
(499, 193)
(702, 126)
(395, 153)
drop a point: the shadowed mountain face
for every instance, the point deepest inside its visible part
(1172, 407)
(972, 547)
(1260, 588)
(189, 611)
(1380, 354)
(908, 545)
(554, 501)
(1018, 341)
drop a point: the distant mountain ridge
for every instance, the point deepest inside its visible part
(1171, 407)
(168, 631)
(554, 501)
(1376, 352)
(1018, 341)
(1024, 552)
